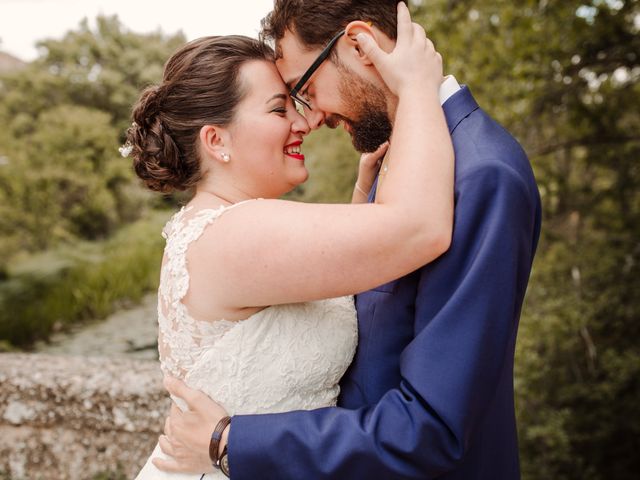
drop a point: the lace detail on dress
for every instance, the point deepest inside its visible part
(181, 337)
(285, 357)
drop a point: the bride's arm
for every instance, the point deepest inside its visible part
(272, 251)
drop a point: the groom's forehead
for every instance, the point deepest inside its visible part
(289, 75)
(292, 58)
(290, 46)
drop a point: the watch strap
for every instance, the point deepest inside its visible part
(214, 444)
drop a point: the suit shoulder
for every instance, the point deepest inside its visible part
(492, 177)
(482, 144)
(487, 139)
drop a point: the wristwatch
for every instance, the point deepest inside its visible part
(224, 462)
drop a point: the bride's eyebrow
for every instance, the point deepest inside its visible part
(277, 96)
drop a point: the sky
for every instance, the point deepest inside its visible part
(24, 22)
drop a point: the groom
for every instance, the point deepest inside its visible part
(430, 392)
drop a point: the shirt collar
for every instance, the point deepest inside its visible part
(449, 86)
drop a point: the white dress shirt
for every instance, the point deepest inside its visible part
(449, 86)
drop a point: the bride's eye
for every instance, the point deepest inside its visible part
(280, 110)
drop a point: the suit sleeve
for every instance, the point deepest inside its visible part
(466, 320)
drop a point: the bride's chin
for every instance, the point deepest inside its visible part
(304, 177)
(299, 175)
(296, 183)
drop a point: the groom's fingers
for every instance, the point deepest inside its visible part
(165, 446)
(370, 48)
(174, 386)
(166, 465)
(167, 427)
(180, 460)
(175, 411)
(179, 389)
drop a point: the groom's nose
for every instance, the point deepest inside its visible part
(315, 118)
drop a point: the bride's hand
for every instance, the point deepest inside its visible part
(413, 64)
(367, 171)
(370, 162)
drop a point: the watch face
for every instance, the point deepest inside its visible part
(224, 464)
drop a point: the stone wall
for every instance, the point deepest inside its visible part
(77, 417)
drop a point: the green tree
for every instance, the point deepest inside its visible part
(104, 68)
(60, 187)
(62, 119)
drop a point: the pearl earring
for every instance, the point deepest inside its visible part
(226, 158)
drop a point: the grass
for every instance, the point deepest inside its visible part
(55, 289)
(118, 475)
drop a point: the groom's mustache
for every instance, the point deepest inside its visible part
(334, 121)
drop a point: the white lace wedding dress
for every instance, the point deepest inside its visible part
(285, 357)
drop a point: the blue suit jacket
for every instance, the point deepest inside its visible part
(430, 392)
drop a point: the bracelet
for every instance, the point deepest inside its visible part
(216, 436)
(358, 188)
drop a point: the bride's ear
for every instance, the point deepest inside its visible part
(351, 31)
(212, 143)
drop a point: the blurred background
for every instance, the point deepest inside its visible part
(80, 243)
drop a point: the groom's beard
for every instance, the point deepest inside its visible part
(369, 122)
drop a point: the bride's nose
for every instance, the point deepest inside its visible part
(299, 124)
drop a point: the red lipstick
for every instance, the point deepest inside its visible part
(293, 150)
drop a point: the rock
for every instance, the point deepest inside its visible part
(17, 413)
(76, 417)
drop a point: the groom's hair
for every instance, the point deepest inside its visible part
(315, 22)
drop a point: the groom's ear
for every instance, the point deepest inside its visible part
(358, 26)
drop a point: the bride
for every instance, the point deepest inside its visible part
(254, 304)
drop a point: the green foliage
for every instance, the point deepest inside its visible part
(62, 119)
(103, 69)
(58, 186)
(55, 289)
(112, 474)
(579, 364)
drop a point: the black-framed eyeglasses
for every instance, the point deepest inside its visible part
(295, 91)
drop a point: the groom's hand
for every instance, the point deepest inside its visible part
(187, 434)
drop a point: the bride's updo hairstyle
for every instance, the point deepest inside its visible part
(200, 86)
